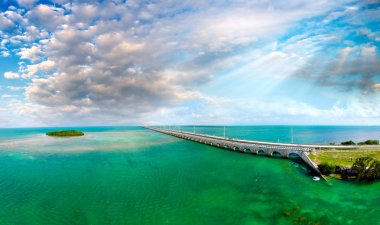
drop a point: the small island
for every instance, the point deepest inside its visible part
(65, 133)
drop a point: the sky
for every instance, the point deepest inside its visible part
(259, 62)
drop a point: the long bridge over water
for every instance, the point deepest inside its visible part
(273, 149)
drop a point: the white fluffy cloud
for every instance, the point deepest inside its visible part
(11, 75)
(32, 54)
(5, 23)
(44, 67)
(45, 16)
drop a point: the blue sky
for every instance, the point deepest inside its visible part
(71, 63)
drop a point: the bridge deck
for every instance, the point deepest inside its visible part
(256, 147)
(313, 146)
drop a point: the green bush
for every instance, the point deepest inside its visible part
(326, 168)
(369, 142)
(367, 168)
(65, 133)
(350, 142)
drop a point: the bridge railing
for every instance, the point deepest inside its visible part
(313, 146)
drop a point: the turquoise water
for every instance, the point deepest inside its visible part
(129, 175)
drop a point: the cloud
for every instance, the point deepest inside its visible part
(46, 16)
(44, 67)
(277, 111)
(116, 94)
(111, 59)
(376, 87)
(341, 53)
(32, 54)
(335, 15)
(26, 3)
(11, 75)
(355, 68)
(15, 88)
(5, 53)
(30, 35)
(85, 12)
(7, 96)
(5, 23)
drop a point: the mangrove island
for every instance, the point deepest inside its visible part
(65, 133)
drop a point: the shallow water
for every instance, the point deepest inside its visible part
(137, 176)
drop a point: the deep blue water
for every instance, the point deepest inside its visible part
(301, 134)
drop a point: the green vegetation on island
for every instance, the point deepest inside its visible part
(350, 142)
(363, 169)
(326, 168)
(366, 169)
(369, 142)
(65, 133)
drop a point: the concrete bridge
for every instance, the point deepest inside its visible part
(272, 149)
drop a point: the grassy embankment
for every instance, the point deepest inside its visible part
(343, 158)
(65, 133)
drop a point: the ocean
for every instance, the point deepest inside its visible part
(131, 175)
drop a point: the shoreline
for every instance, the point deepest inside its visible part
(338, 164)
